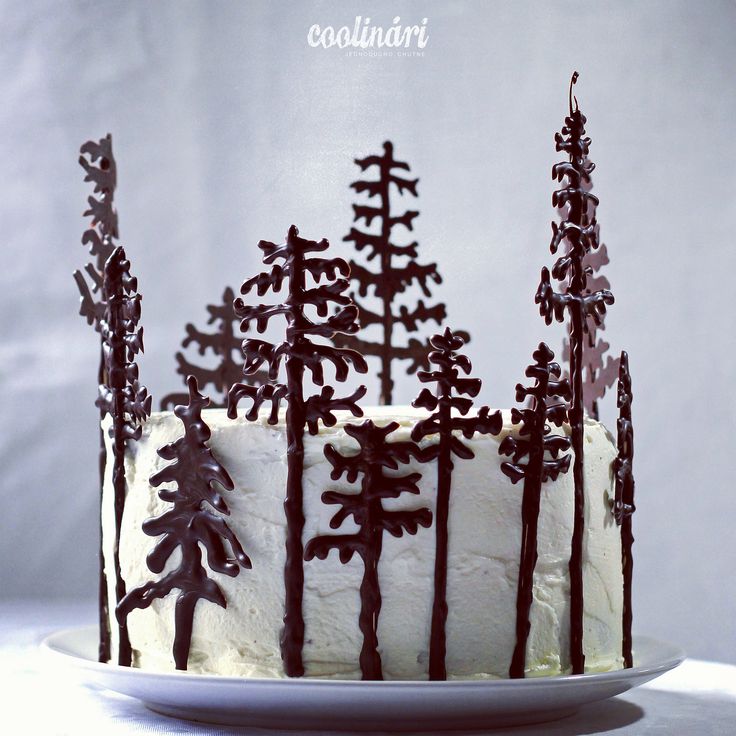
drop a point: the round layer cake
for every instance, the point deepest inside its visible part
(484, 530)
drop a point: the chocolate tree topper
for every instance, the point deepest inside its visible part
(536, 457)
(99, 164)
(225, 344)
(390, 279)
(580, 233)
(454, 395)
(376, 455)
(121, 396)
(189, 526)
(292, 264)
(623, 504)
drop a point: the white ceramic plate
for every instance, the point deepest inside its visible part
(359, 706)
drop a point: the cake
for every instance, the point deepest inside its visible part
(286, 530)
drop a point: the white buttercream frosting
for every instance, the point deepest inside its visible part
(483, 564)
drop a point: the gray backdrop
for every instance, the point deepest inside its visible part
(228, 127)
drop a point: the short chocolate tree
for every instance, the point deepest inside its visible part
(542, 452)
(580, 233)
(291, 263)
(376, 455)
(189, 526)
(390, 279)
(453, 396)
(225, 344)
(97, 160)
(121, 395)
(623, 503)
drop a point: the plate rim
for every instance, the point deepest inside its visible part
(53, 646)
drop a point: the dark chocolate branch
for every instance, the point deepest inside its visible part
(376, 455)
(97, 160)
(121, 396)
(580, 233)
(292, 263)
(449, 401)
(544, 461)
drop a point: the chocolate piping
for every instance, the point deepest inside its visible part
(390, 280)
(544, 461)
(225, 344)
(298, 352)
(99, 239)
(126, 400)
(580, 232)
(189, 526)
(450, 389)
(375, 455)
(623, 505)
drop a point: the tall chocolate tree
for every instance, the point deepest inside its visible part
(376, 455)
(623, 505)
(225, 344)
(579, 232)
(99, 164)
(449, 400)
(542, 451)
(600, 369)
(292, 263)
(390, 279)
(189, 526)
(121, 396)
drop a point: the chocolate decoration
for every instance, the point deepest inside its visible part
(623, 505)
(450, 390)
(189, 526)
(299, 354)
(390, 280)
(580, 232)
(122, 396)
(225, 344)
(600, 369)
(376, 455)
(544, 461)
(99, 239)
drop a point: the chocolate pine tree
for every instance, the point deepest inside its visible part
(579, 232)
(544, 461)
(453, 397)
(600, 369)
(376, 455)
(225, 344)
(121, 395)
(99, 164)
(292, 263)
(190, 527)
(390, 279)
(623, 505)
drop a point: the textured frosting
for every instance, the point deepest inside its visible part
(484, 543)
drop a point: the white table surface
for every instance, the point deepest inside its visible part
(696, 699)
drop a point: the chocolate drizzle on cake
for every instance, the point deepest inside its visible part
(376, 455)
(189, 527)
(390, 280)
(447, 403)
(121, 396)
(579, 231)
(290, 262)
(225, 344)
(99, 164)
(623, 504)
(544, 461)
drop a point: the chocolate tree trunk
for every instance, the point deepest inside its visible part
(528, 557)
(103, 653)
(438, 639)
(627, 540)
(370, 591)
(184, 622)
(388, 320)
